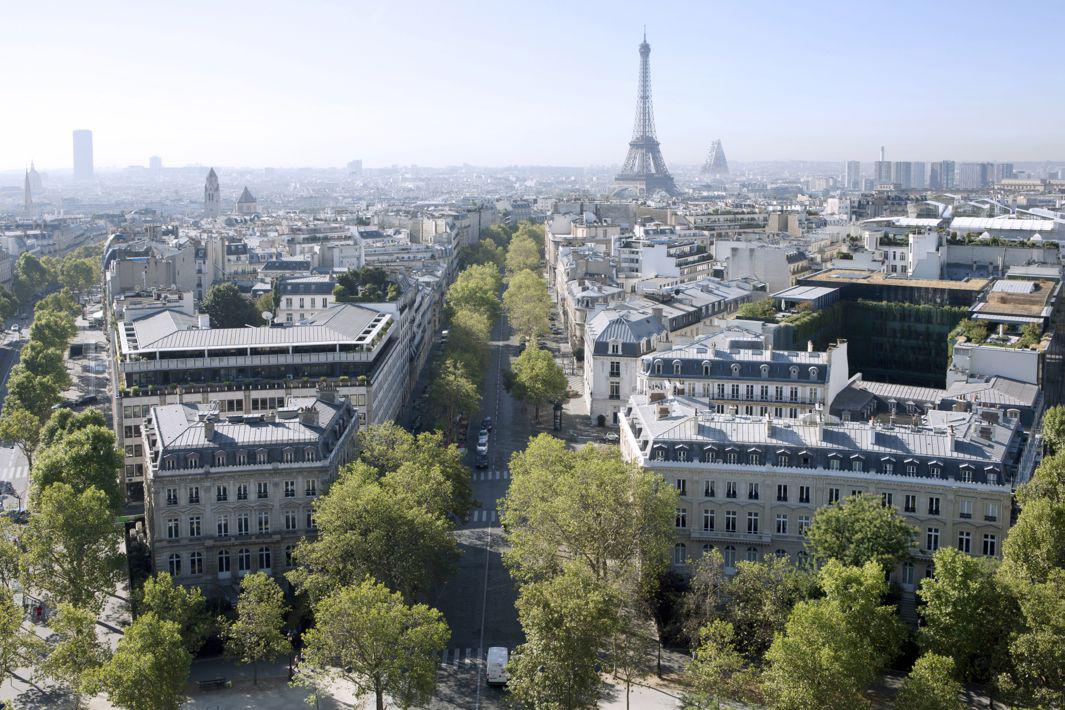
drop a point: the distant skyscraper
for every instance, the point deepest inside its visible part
(974, 176)
(155, 163)
(918, 175)
(83, 155)
(941, 175)
(27, 196)
(355, 167)
(882, 170)
(645, 168)
(212, 195)
(715, 164)
(853, 179)
(1003, 171)
(902, 174)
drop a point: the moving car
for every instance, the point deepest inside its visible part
(486, 424)
(497, 666)
(482, 460)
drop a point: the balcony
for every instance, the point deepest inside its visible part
(724, 536)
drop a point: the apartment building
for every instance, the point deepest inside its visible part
(303, 297)
(749, 486)
(734, 372)
(172, 358)
(232, 494)
(614, 341)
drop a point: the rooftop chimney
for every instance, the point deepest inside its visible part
(208, 429)
(203, 321)
(309, 416)
(809, 346)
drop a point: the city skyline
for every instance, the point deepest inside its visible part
(316, 86)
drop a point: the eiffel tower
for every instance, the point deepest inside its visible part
(645, 168)
(715, 161)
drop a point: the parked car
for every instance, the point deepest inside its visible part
(486, 424)
(482, 460)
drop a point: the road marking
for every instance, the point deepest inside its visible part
(469, 657)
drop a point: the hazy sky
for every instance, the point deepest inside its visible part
(316, 83)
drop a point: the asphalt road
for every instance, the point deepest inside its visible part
(14, 470)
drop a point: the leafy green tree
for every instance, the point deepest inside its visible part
(633, 643)
(257, 634)
(529, 230)
(185, 606)
(586, 506)
(833, 648)
(1036, 543)
(8, 306)
(368, 635)
(53, 329)
(719, 672)
(367, 528)
(1037, 652)
(149, 668)
(861, 530)
(78, 653)
(78, 275)
(568, 621)
(86, 457)
(498, 233)
(930, 686)
(755, 602)
(467, 343)
(763, 310)
(527, 304)
(30, 276)
(371, 284)
(19, 648)
(522, 254)
(9, 552)
(265, 304)
(476, 289)
(391, 449)
(59, 301)
(228, 308)
(967, 615)
(43, 361)
(71, 546)
(33, 394)
(486, 251)
(67, 421)
(22, 428)
(539, 377)
(451, 393)
(1054, 428)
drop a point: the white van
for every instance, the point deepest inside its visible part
(497, 665)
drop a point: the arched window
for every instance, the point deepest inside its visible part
(707, 549)
(680, 554)
(244, 560)
(730, 556)
(781, 553)
(220, 458)
(752, 554)
(735, 369)
(676, 367)
(223, 561)
(794, 372)
(658, 367)
(813, 373)
(706, 368)
(264, 557)
(174, 564)
(765, 370)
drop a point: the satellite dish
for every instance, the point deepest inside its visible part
(267, 316)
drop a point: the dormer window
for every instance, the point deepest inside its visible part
(658, 367)
(260, 456)
(794, 372)
(706, 368)
(735, 369)
(192, 460)
(765, 370)
(309, 454)
(220, 458)
(242, 458)
(168, 463)
(288, 456)
(615, 348)
(813, 373)
(676, 367)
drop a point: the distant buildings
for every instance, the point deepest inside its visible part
(246, 204)
(853, 177)
(941, 175)
(155, 163)
(83, 155)
(716, 165)
(212, 195)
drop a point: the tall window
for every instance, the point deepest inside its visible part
(223, 561)
(730, 521)
(288, 555)
(680, 554)
(804, 524)
(194, 494)
(708, 519)
(965, 541)
(782, 492)
(242, 491)
(194, 526)
(682, 486)
(909, 504)
(730, 556)
(291, 521)
(264, 558)
(932, 539)
(223, 525)
(264, 521)
(174, 564)
(173, 529)
(290, 489)
(615, 390)
(990, 544)
(196, 562)
(262, 489)
(615, 368)
(804, 494)
(244, 560)
(752, 491)
(752, 554)
(752, 523)
(833, 495)
(311, 488)
(682, 518)
(171, 496)
(933, 505)
(965, 509)
(782, 525)
(221, 493)
(730, 489)
(242, 524)
(708, 489)
(992, 512)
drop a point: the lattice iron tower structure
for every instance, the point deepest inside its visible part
(715, 164)
(645, 168)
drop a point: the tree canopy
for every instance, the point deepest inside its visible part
(86, 457)
(257, 633)
(539, 378)
(228, 308)
(148, 669)
(370, 284)
(527, 304)
(859, 530)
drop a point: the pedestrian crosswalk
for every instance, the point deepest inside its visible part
(484, 516)
(492, 475)
(461, 657)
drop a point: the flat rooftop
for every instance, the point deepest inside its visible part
(880, 278)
